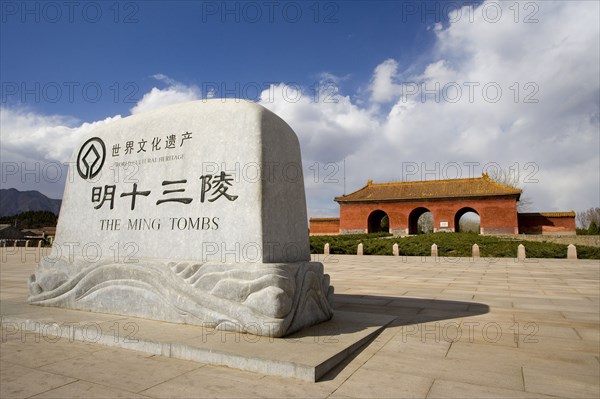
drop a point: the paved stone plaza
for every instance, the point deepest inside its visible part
(464, 329)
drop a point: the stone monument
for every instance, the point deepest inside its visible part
(193, 213)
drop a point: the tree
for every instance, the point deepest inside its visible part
(31, 219)
(512, 179)
(585, 218)
(385, 223)
(425, 223)
(593, 229)
(469, 223)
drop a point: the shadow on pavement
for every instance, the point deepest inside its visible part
(406, 310)
(409, 310)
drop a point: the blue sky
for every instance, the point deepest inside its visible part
(407, 90)
(198, 43)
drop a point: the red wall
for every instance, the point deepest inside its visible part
(497, 215)
(324, 226)
(546, 225)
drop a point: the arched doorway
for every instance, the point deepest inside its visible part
(467, 220)
(378, 221)
(420, 221)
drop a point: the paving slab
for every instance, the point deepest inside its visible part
(561, 383)
(125, 370)
(84, 389)
(17, 381)
(308, 354)
(452, 389)
(367, 383)
(544, 351)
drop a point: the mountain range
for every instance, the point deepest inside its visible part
(13, 201)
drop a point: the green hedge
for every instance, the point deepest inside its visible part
(449, 244)
(337, 242)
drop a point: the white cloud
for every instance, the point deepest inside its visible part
(36, 148)
(174, 93)
(42, 137)
(383, 88)
(329, 127)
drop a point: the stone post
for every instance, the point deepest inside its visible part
(395, 250)
(26, 243)
(326, 249)
(521, 252)
(40, 243)
(360, 249)
(434, 250)
(571, 252)
(475, 251)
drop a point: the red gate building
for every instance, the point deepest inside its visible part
(402, 203)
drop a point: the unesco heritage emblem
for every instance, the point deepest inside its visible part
(91, 158)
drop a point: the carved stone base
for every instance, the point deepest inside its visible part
(262, 299)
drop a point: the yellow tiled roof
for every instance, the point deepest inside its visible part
(452, 188)
(570, 214)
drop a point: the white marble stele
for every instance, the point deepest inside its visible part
(193, 213)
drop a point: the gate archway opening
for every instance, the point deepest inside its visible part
(467, 220)
(378, 221)
(420, 221)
